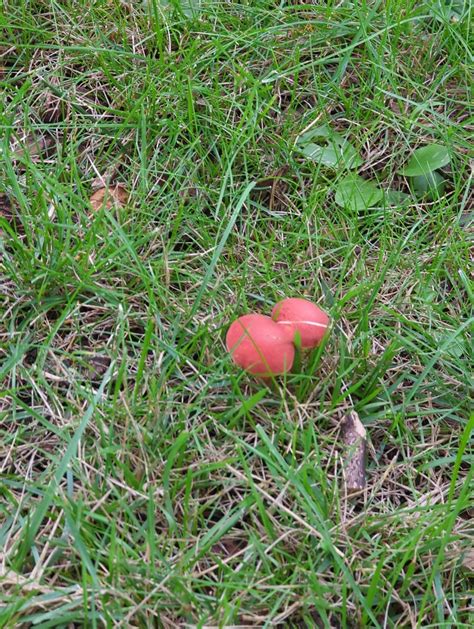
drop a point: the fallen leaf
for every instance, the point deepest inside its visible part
(113, 196)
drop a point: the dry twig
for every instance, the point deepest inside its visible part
(354, 438)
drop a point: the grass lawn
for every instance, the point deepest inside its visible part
(145, 481)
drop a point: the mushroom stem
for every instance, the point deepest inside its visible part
(354, 438)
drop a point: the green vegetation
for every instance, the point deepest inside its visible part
(145, 482)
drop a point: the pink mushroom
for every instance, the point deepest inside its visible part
(261, 346)
(303, 316)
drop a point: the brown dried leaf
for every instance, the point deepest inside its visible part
(115, 195)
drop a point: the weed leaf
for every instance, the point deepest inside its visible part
(355, 193)
(329, 148)
(426, 159)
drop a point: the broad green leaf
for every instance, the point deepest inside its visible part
(326, 155)
(355, 193)
(426, 159)
(396, 197)
(351, 157)
(319, 132)
(429, 186)
(333, 154)
(332, 149)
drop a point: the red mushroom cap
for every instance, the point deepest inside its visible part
(305, 317)
(261, 346)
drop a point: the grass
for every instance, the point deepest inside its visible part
(145, 481)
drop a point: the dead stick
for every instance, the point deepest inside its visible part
(354, 437)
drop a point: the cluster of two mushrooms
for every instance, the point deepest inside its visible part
(265, 346)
